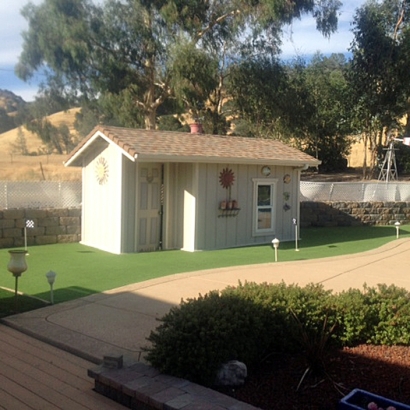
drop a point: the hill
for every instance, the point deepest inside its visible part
(10, 102)
(36, 167)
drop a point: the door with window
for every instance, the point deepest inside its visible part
(264, 208)
(149, 208)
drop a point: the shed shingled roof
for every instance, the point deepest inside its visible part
(182, 146)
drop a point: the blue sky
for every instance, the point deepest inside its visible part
(301, 38)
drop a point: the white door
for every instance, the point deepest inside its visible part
(149, 208)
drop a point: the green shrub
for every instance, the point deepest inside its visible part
(197, 337)
(392, 311)
(356, 317)
(251, 321)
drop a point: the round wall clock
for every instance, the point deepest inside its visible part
(265, 171)
(101, 170)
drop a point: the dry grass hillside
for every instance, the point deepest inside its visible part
(36, 167)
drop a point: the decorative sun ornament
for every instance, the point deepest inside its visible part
(101, 170)
(226, 178)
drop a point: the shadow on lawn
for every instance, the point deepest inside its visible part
(66, 294)
(24, 303)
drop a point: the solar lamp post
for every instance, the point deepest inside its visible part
(51, 277)
(397, 225)
(275, 244)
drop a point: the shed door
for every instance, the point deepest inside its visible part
(149, 208)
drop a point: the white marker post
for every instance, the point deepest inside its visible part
(295, 223)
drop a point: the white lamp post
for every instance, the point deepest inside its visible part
(295, 223)
(275, 244)
(397, 225)
(51, 277)
(17, 265)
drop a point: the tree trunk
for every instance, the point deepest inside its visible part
(150, 119)
(364, 156)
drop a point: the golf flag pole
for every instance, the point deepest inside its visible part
(29, 224)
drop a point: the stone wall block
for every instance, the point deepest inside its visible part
(74, 212)
(35, 213)
(6, 242)
(13, 213)
(7, 223)
(46, 239)
(56, 230)
(74, 229)
(12, 233)
(68, 238)
(51, 221)
(57, 213)
(31, 232)
(70, 220)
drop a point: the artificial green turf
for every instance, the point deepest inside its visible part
(9, 304)
(83, 270)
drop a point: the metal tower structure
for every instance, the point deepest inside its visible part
(388, 171)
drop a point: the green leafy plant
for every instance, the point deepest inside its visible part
(197, 337)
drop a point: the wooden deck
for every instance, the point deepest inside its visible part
(35, 375)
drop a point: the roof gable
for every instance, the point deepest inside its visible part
(168, 146)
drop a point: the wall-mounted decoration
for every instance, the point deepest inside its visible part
(265, 171)
(286, 196)
(101, 170)
(286, 207)
(228, 207)
(226, 178)
(287, 178)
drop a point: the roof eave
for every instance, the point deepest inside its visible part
(76, 160)
(310, 162)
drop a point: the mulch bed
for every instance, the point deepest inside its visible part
(382, 370)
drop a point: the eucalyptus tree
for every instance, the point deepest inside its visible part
(306, 104)
(379, 75)
(127, 50)
(329, 127)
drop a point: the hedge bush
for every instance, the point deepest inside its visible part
(251, 321)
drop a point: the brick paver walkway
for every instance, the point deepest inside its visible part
(35, 375)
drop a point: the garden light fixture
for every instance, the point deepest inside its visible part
(275, 244)
(17, 265)
(397, 225)
(51, 277)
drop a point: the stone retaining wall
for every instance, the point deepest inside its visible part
(50, 226)
(328, 214)
(64, 225)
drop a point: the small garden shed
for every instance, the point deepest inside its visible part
(146, 190)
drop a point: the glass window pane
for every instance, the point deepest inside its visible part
(265, 218)
(264, 195)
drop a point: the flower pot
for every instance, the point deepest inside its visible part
(196, 128)
(359, 400)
